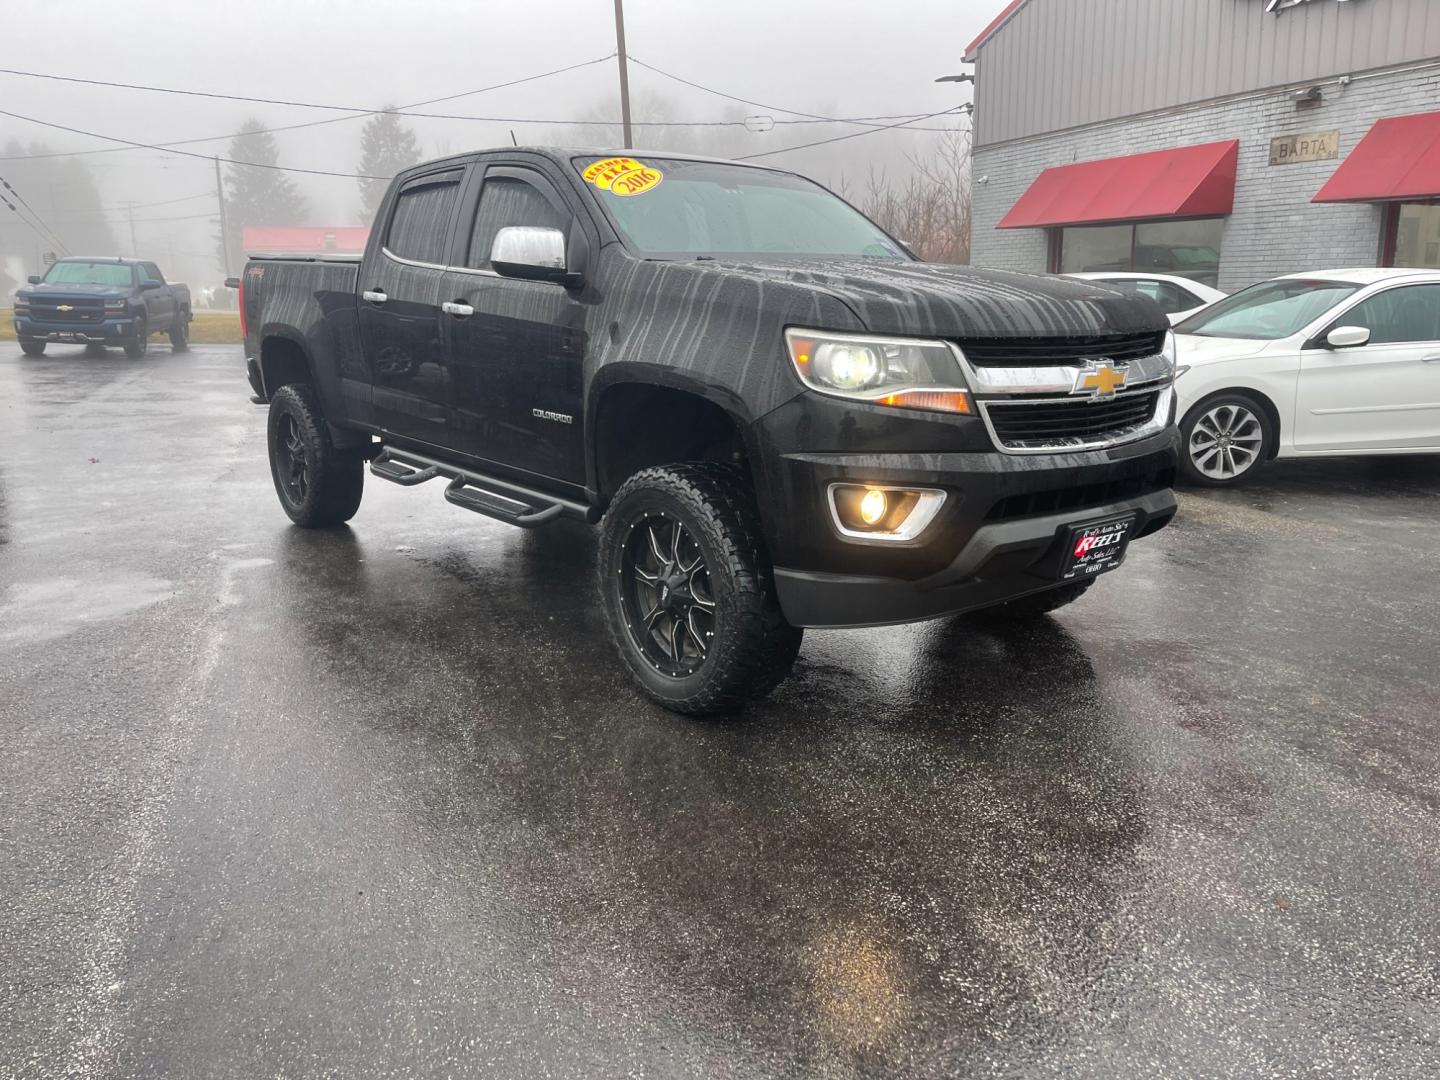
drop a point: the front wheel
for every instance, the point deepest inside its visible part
(688, 593)
(1226, 438)
(138, 345)
(32, 348)
(180, 335)
(318, 485)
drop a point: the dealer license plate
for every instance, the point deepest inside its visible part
(1094, 549)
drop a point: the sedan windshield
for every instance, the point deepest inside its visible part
(693, 209)
(89, 273)
(1269, 311)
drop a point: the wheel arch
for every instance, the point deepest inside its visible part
(637, 422)
(284, 358)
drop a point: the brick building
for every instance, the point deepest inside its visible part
(1223, 140)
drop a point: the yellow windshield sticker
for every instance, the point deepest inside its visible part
(622, 176)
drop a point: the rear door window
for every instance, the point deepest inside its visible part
(420, 224)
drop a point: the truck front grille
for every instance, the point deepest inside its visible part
(81, 311)
(1060, 352)
(1070, 423)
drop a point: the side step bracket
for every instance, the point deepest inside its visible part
(489, 495)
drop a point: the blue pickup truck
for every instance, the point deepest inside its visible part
(98, 302)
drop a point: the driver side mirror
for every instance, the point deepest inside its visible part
(1348, 337)
(34, 279)
(150, 283)
(531, 253)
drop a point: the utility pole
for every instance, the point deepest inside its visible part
(224, 223)
(624, 73)
(134, 247)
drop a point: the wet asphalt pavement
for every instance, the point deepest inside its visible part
(378, 801)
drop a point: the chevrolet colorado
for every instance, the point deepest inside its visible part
(779, 418)
(99, 302)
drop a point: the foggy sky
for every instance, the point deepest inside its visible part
(833, 57)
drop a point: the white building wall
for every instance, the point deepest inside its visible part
(1275, 228)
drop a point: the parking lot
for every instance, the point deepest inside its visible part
(380, 801)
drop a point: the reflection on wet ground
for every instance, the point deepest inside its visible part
(378, 800)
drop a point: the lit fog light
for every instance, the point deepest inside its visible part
(873, 506)
(889, 514)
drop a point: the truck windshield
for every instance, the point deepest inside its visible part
(668, 208)
(1269, 311)
(89, 273)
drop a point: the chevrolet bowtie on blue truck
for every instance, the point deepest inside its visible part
(778, 417)
(100, 302)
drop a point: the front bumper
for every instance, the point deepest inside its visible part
(1002, 561)
(108, 331)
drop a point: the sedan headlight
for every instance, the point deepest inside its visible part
(903, 372)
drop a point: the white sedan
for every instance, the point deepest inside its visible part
(1310, 365)
(1178, 297)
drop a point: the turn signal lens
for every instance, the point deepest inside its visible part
(873, 506)
(956, 401)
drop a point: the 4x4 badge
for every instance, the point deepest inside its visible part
(1100, 379)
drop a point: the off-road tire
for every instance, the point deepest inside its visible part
(1042, 603)
(32, 348)
(334, 479)
(180, 334)
(1191, 473)
(138, 345)
(752, 648)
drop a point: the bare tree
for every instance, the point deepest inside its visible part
(930, 209)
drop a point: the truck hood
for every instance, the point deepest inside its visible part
(891, 296)
(64, 292)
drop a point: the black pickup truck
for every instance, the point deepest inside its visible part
(99, 302)
(779, 417)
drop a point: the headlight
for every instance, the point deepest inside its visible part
(22, 303)
(902, 372)
(114, 307)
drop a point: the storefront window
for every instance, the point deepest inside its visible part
(1185, 248)
(1417, 235)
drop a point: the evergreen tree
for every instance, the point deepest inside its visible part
(256, 196)
(63, 192)
(387, 145)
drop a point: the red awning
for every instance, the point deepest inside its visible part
(1398, 159)
(1190, 181)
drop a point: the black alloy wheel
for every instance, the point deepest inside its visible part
(292, 461)
(666, 594)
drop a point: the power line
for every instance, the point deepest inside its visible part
(162, 202)
(864, 121)
(54, 236)
(356, 113)
(852, 135)
(186, 153)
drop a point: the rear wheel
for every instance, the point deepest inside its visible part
(138, 345)
(32, 348)
(180, 334)
(687, 590)
(318, 485)
(1226, 438)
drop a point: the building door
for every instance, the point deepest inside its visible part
(516, 352)
(1384, 395)
(400, 309)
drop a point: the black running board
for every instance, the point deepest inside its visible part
(502, 500)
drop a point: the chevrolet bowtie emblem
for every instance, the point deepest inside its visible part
(1100, 379)
(63, 307)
